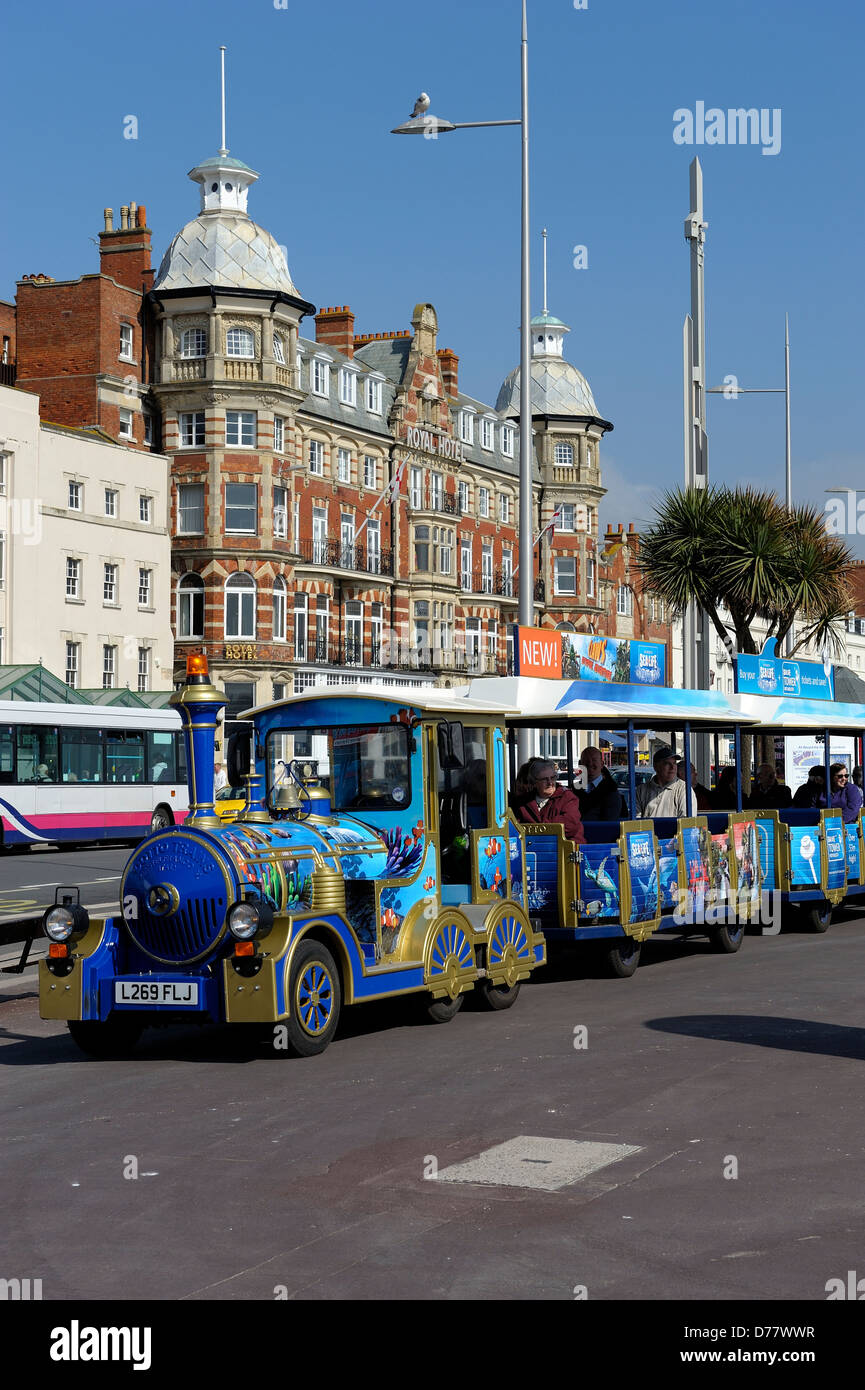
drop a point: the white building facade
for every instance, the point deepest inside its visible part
(85, 554)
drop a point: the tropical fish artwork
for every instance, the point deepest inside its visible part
(493, 847)
(404, 851)
(429, 883)
(602, 879)
(390, 925)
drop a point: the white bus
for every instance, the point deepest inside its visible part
(87, 773)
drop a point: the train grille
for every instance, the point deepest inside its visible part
(187, 935)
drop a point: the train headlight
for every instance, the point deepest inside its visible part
(249, 919)
(59, 923)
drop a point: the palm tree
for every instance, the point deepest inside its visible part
(741, 550)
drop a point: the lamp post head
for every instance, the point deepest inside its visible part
(422, 122)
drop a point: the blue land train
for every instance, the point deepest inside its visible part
(389, 864)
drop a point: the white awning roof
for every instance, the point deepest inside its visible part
(431, 700)
(603, 705)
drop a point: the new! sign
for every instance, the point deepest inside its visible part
(538, 652)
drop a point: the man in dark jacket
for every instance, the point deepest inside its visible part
(600, 798)
(539, 799)
(769, 794)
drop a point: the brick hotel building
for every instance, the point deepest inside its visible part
(340, 509)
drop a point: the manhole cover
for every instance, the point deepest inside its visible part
(547, 1164)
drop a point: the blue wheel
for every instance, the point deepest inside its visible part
(315, 996)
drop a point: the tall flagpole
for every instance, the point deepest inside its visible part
(223, 149)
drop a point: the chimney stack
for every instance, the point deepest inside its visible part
(124, 251)
(449, 362)
(335, 327)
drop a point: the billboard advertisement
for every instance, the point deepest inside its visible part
(768, 675)
(590, 658)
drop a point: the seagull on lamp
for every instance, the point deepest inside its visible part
(421, 105)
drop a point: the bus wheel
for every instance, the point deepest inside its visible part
(820, 917)
(623, 959)
(727, 939)
(160, 820)
(443, 1010)
(497, 996)
(114, 1038)
(316, 998)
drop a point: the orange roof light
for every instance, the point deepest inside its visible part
(196, 665)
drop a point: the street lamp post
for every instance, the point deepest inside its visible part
(422, 123)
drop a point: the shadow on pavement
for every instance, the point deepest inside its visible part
(788, 1034)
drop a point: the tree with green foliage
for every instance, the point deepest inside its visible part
(742, 550)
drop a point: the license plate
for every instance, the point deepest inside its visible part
(178, 995)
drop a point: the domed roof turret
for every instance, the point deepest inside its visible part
(222, 246)
(557, 387)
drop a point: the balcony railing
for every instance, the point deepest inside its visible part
(189, 368)
(446, 503)
(334, 554)
(483, 581)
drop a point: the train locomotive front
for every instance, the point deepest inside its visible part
(280, 917)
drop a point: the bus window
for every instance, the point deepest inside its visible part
(124, 757)
(160, 757)
(37, 753)
(7, 754)
(180, 754)
(81, 755)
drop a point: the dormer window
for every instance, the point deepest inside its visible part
(320, 384)
(564, 456)
(467, 427)
(347, 386)
(240, 342)
(508, 441)
(486, 434)
(193, 343)
(373, 395)
(278, 350)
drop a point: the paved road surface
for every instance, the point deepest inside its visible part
(260, 1173)
(28, 878)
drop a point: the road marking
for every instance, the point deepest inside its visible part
(61, 883)
(546, 1164)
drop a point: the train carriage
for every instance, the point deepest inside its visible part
(813, 858)
(694, 875)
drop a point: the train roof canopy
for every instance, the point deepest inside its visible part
(783, 715)
(602, 705)
(425, 699)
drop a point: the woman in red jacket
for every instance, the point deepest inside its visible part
(538, 799)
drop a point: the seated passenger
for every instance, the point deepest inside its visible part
(537, 799)
(723, 795)
(600, 798)
(701, 797)
(844, 794)
(768, 793)
(664, 795)
(808, 795)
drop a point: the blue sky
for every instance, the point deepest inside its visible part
(381, 222)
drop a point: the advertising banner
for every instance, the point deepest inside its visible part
(769, 675)
(609, 659)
